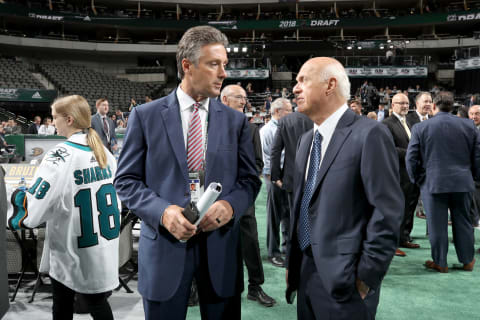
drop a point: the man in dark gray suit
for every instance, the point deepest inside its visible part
(3, 258)
(423, 104)
(443, 157)
(346, 217)
(235, 97)
(104, 125)
(289, 130)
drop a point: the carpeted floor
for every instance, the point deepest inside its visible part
(409, 291)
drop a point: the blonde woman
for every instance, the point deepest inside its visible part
(73, 193)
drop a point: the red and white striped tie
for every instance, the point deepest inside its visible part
(194, 141)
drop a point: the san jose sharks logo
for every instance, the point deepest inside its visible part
(55, 156)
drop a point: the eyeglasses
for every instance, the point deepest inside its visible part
(402, 103)
(239, 97)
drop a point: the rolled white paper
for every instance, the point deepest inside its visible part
(207, 199)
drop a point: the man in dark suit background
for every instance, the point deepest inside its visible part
(382, 113)
(346, 216)
(423, 107)
(4, 304)
(289, 130)
(235, 97)
(443, 157)
(104, 125)
(33, 128)
(401, 136)
(170, 144)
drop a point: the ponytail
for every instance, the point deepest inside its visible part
(94, 142)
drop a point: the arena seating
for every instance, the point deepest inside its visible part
(15, 74)
(74, 79)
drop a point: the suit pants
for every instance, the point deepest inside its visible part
(212, 306)
(437, 206)
(278, 213)
(315, 303)
(411, 193)
(251, 248)
(474, 211)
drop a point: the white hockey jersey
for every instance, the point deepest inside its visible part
(77, 200)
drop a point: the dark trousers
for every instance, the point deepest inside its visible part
(278, 213)
(63, 299)
(411, 193)
(212, 306)
(315, 303)
(250, 247)
(474, 211)
(437, 206)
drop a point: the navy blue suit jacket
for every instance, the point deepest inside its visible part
(356, 209)
(444, 154)
(152, 174)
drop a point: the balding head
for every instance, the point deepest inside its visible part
(400, 104)
(322, 87)
(474, 114)
(234, 96)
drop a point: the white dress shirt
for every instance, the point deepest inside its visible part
(326, 129)
(186, 102)
(46, 130)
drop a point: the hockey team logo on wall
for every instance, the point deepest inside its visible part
(35, 152)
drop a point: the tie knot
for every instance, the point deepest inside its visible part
(318, 137)
(197, 105)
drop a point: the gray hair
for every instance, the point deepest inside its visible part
(193, 40)
(278, 103)
(337, 71)
(420, 94)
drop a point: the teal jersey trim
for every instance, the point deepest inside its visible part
(78, 146)
(19, 212)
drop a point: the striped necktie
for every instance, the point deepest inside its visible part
(313, 168)
(194, 141)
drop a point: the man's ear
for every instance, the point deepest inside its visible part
(332, 85)
(186, 65)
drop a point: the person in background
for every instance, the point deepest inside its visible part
(104, 125)
(372, 115)
(35, 126)
(81, 211)
(356, 107)
(235, 97)
(47, 128)
(446, 179)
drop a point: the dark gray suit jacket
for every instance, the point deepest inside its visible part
(290, 128)
(4, 304)
(97, 124)
(444, 154)
(355, 213)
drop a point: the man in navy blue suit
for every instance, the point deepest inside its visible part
(173, 147)
(443, 157)
(346, 215)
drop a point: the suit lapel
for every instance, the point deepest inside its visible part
(341, 133)
(301, 161)
(401, 129)
(215, 122)
(173, 123)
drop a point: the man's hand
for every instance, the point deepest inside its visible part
(218, 214)
(279, 183)
(174, 221)
(362, 288)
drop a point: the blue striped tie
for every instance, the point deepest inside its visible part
(304, 228)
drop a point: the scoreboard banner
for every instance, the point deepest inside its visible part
(467, 64)
(27, 95)
(388, 72)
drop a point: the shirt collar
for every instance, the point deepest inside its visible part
(399, 117)
(328, 126)
(420, 116)
(186, 102)
(78, 137)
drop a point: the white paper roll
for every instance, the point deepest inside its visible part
(207, 199)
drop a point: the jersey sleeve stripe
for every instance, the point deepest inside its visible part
(20, 212)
